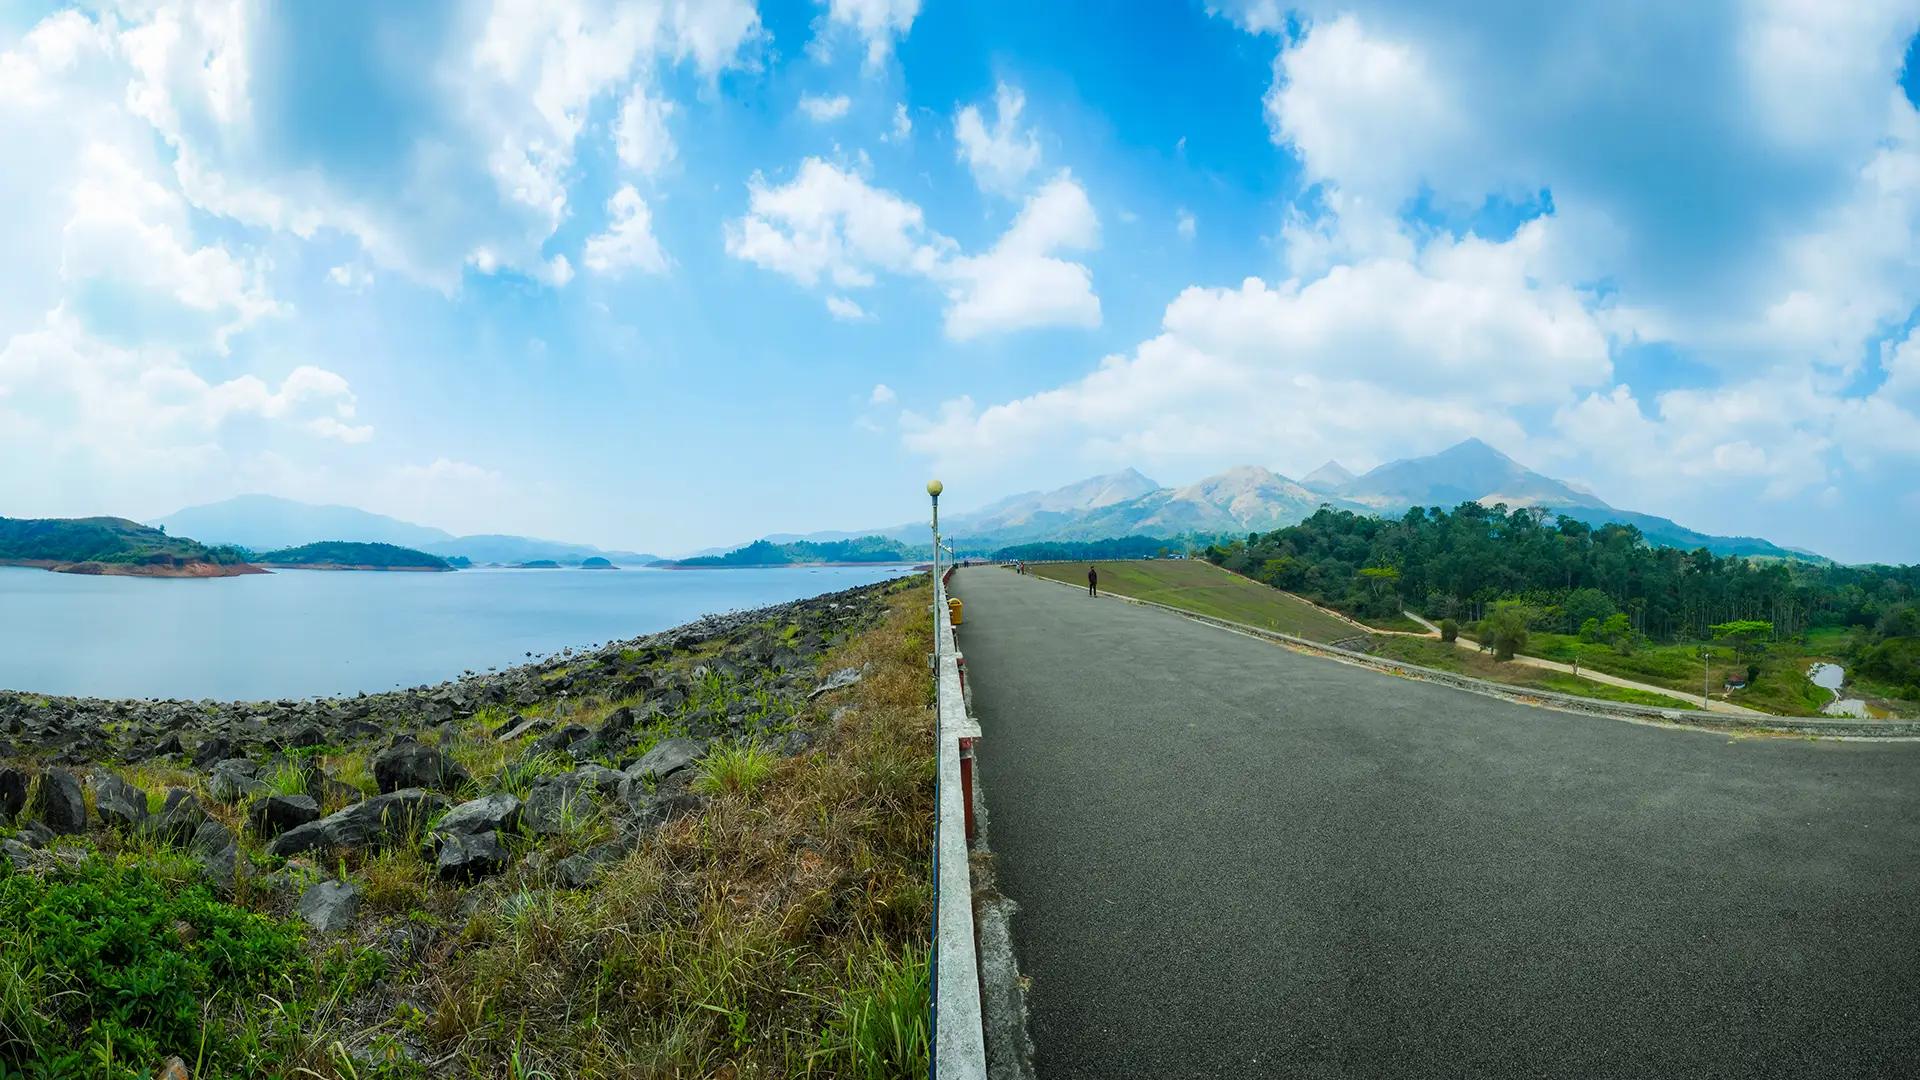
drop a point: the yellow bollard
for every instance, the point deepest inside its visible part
(953, 609)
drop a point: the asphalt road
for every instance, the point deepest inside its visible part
(1234, 860)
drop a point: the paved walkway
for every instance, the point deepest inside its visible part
(1234, 860)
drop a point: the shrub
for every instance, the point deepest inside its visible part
(740, 768)
(107, 971)
(1449, 630)
(1506, 628)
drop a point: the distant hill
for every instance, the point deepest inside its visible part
(866, 549)
(350, 555)
(270, 523)
(1470, 471)
(109, 545)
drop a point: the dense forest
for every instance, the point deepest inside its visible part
(352, 553)
(1571, 577)
(105, 540)
(866, 549)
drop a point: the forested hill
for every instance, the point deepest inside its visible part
(113, 545)
(346, 554)
(866, 549)
(1458, 563)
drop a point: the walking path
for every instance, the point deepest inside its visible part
(1235, 860)
(1709, 705)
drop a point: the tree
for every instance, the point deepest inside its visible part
(1449, 630)
(1505, 627)
(1747, 636)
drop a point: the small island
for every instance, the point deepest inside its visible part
(114, 546)
(350, 555)
(537, 564)
(864, 551)
(597, 563)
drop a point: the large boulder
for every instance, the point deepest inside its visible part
(377, 822)
(485, 814)
(276, 814)
(179, 818)
(666, 758)
(466, 856)
(329, 906)
(59, 803)
(839, 680)
(557, 742)
(117, 802)
(13, 792)
(558, 802)
(235, 779)
(411, 765)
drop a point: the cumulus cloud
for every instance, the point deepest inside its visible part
(878, 23)
(1021, 282)
(640, 132)
(1002, 155)
(828, 224)
(628, 242)
(822, 109)
(902, 125)
(882, 395)
(1184, 224)
(846, 310)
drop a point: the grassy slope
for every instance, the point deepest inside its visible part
(1783, 687)
(782, 931)
(101, 539)
(1429, 652)
(1201, 587)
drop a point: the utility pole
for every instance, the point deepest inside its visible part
(1706, 674)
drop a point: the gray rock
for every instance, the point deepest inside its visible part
(667, 758)
(221, 869)
(59, 803)
(555, 742)
(13, 792)
(329, 906)
(210, 838)
(411, 765)
(377, 822)
(235, 779)
(466, 856)
(522, 726)
(485, 814)
(839, 680)
(18, 854)
(276, 814)
(581, 870)
(211, 750)
(35, 835)
(117, 802)
(554, 800)
(601, 779)
(179, 818)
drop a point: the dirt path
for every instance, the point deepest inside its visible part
(1711, 705)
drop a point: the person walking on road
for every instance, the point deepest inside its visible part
(1093, 582)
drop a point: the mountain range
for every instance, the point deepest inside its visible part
(267, 522)
(1250, 498)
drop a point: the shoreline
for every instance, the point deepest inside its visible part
(152, 570)
(358, 566)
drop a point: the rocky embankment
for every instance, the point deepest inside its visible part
(457, 765)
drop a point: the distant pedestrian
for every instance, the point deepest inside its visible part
(1093, 582)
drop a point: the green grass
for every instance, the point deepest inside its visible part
(1205, 589)
(1433, 653)
(739, 768)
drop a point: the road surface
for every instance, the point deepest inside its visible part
(1234, 860)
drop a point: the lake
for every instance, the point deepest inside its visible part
(301, 633)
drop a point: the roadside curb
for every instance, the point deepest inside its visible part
(1726, 723)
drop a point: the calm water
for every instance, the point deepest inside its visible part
(298, 633)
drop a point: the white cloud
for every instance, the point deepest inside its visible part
(829, 223)
(1369, 358)
(640, 133)
(902, 125)
(882, 395)
(628, 242)
(1184, 223)
(1253, 16)
(446, 470)
(350, 276)
(1002, 156)
(1021, 283)
(846, 310)
(877, 22)
(822, 109)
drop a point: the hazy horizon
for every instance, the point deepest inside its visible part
(664, 278)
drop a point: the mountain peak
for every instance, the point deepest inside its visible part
(1329, 477)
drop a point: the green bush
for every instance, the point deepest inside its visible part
(104, 972)
(1449, 630)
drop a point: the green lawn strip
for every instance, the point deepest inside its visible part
(1428, 652)
(1205, 589)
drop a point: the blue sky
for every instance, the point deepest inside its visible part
(664, 276)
